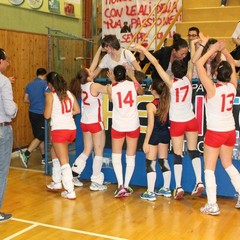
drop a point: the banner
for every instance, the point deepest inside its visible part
(123, 18)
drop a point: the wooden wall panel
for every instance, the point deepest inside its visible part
(26, 52)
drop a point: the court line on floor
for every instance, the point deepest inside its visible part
(27, 169)
(36, 224)
(20, 232)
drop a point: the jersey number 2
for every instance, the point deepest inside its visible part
(85, 98)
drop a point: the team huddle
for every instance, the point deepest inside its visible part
(170, 117)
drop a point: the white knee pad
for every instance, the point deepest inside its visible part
(234, 176)
(80, 163)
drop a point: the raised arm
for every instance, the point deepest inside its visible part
(96, 71)
(190, 71)
(94, 66)
(131, 75)
(96, 59)
(197, 54)
(231, 61)
(136, 65)
(193, 46)
(202, 73)
(165, 77)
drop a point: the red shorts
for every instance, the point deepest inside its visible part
(92, 127)
(179, 128)
(63, 136)
(132, 134)
(217, 139)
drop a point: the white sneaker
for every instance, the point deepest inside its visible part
(54, 186)
(69, 195)
(211, 209)
(77, 182)
(197, 191)
(97, 187)
(43, 161)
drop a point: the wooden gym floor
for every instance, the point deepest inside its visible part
(39, 214)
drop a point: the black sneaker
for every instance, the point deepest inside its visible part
(5, 216)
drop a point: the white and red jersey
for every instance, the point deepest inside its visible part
(125, 113)
(126, 57)
(62, 113)
(181, 108)
(91, 106)
(219, 108)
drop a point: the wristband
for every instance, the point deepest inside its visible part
(136, 84)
